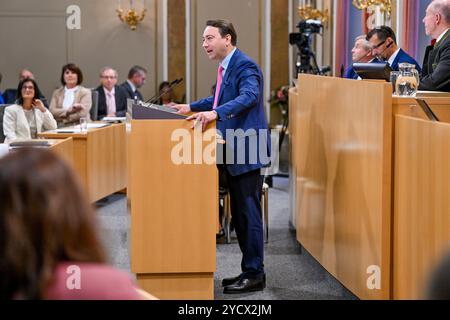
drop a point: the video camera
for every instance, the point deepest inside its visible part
(306, 29)
(303, 40)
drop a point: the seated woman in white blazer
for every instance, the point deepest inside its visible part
(27, 118)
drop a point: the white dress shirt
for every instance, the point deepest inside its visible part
(69, 97)
(392, 58)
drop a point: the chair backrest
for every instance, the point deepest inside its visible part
(94, 108)
(2, 112)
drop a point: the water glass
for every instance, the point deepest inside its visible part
(4, 149)
(83, 125)
(394, 77)
(407, 85)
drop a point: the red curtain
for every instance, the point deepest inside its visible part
(342, 35)
(411, 21)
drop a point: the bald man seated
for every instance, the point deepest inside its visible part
(361, 53)
(10, 95)
(436, 65)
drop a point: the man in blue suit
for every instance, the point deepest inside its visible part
(361, 53)
(238, 108)
(385, 48)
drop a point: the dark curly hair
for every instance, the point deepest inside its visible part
(19, 90)
(45, 220)
(75, 69)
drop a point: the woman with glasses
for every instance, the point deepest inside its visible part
(72, 101)
(27, 118)
(166, 92)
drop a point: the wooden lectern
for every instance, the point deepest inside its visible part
(174, 208)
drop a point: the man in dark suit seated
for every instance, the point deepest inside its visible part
(361, 53)
(436, 65)
(385, 48)
(237, 106)
(136, 79)
(10, 95)
(112, 99)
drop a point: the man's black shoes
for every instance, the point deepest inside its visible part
(230, 281)
(245, 285)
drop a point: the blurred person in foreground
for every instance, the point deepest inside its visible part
(49, 241)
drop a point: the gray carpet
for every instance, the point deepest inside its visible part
(292, 274)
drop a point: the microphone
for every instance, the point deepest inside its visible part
(173, 84)
(379, 56)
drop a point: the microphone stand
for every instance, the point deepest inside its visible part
(155, 98)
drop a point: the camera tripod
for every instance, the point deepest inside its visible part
(304, 65)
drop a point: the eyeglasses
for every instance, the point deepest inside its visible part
(108, 77)
(27, 88)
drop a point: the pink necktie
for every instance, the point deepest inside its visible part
(111, 103)
(218, 85)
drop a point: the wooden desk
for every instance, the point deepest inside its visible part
(422, 203)
(344, 152)
(440, 104)
(99, 158)
(63, 148)
(342, 138)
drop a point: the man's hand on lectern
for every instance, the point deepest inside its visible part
(182, 108)
(204, 118)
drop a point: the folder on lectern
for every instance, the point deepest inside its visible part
(154, 112)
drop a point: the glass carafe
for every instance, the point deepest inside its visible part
(408, 80)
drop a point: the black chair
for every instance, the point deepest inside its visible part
(2, 112)
(94, 107)
(225, 215)
(225, 212)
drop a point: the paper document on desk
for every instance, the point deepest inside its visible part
(114, 119)
(77, 129)
(67, 130)
(36, 143)
(96, 125)
(421, 93)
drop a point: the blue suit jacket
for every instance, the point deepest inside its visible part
(10, 96)
(241, 106)
(350, 74)
(401, 57)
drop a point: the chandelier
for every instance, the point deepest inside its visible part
(385, 5)
(308, 12)
(131, 16)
